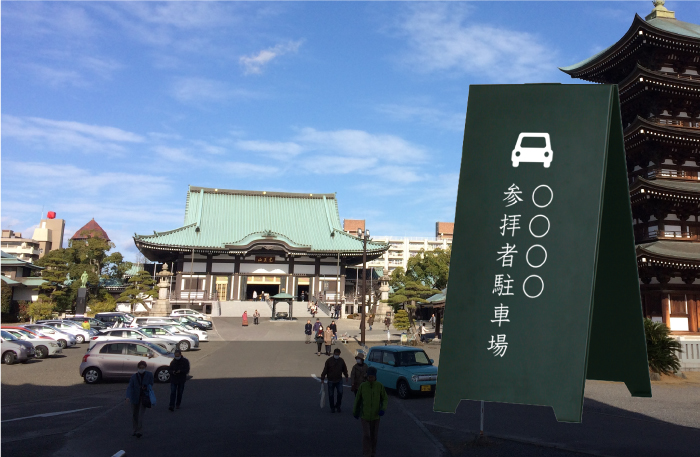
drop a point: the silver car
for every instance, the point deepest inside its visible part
(179, 329)
(132, 334)
(118, 360)
(184, 342)
(14, 350)
(81, 335)
(43, 345)
(63, 338)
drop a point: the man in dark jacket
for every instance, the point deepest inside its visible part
(334, 329)
(335, 368)
(317, 325)
(138, 387)
(179, 368)
(308, 329)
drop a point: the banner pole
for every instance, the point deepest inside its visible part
(480, 439)
(481, 428)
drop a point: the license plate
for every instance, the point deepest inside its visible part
(425, 388)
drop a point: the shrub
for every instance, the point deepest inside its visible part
(662, 350)
(23, 311)
(102, 306)
(40, 310)
(6, 299)
(401, 321)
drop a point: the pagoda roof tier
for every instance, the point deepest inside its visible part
(669, 253)
(237, 222)
(90, 229)
(612, 64)
(656, 139)
(665, 189)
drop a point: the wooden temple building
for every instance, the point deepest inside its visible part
(236, 242)
(657, 67)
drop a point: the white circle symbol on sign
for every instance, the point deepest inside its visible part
(546, 231)
(551, 196)
(527, 255)
(541, 290)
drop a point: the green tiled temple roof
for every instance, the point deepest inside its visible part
(233, 219)
(10, 260)
(672, 249)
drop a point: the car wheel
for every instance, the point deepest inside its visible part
(92, 375)
(403, 390)
(184, 345)
(63, 343)
(163, 375)
(79, 339)
(41, 352)
(9, 358)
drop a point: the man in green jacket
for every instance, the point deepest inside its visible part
(370, 404)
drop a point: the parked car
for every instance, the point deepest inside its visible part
(63, 338)
(141, 321)
(132, 334)
(188, 312)
(118, 360)
(406, 369)
(184, 342)
(72, 327)
(201, 334)
(43, 345)
(14, 350)
(180, 329)
(95, 324)
(204, 324)
(114, 317)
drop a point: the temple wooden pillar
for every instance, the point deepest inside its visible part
(693, 314)
(666, 309)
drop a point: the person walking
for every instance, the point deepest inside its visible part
(334, 329)
(255, 295)
(86, 324)
(370, 404)
(328, 339)
(334, 368)
(308, 329)
(318, 325)
(319, 340)
(245, 318)
(432, 320)
(387, 322)
(371, 321)
(137, 389)
(179, 368)
(256, 317)
(358, 375)
(423, 332)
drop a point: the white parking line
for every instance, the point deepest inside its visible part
(50, 414)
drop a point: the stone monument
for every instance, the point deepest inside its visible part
(162, 305)
(382, 306)
(81, 302)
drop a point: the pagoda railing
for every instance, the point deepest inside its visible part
(675, 123)
(198, 295)
(671, 234)
(666, 173)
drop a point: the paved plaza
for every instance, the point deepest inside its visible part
(253, 393)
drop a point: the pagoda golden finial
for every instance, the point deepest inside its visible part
(660, 11)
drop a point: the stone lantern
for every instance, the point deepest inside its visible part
(162, 305)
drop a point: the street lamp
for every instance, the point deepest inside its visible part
(364, 236)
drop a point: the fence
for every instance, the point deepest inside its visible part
(690, 353)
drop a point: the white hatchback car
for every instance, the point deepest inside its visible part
(188, 312)
(541, 154)
(133, 334)
(43, 345)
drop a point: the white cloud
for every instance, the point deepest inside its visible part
(278, 149)
(68, 135)
(243, 169)
(443, 39)
(425, 115)
(255, 63)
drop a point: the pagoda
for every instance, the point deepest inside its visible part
(656, 65)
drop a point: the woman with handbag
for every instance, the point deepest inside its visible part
(319, 340)
(138, 393)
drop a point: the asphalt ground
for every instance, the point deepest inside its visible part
(250, 396)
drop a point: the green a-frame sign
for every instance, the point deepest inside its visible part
(544, 290)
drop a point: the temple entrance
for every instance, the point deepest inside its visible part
(262, 285)
(302, 286)
(222, 287)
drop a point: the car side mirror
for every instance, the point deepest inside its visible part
(432, 361)
(150, 355)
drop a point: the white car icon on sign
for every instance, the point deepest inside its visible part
(540, 154)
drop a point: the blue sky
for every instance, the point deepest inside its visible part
(110, 110)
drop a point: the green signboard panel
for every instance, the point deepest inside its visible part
(543, 290)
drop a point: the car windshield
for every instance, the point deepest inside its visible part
(25, 333)
(8, 336)
(411, 358)
(156, 348)
(129, 317)
(187, 327)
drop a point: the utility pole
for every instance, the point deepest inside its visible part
(364, 236)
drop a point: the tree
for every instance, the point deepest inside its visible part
(431, 268)
(140, 287)
(6, 299)
(398, 278)
(662, 350)
(41, 310)
(105, 305)
(401, 321)
(56, 267)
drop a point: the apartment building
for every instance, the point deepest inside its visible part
(403, 248)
